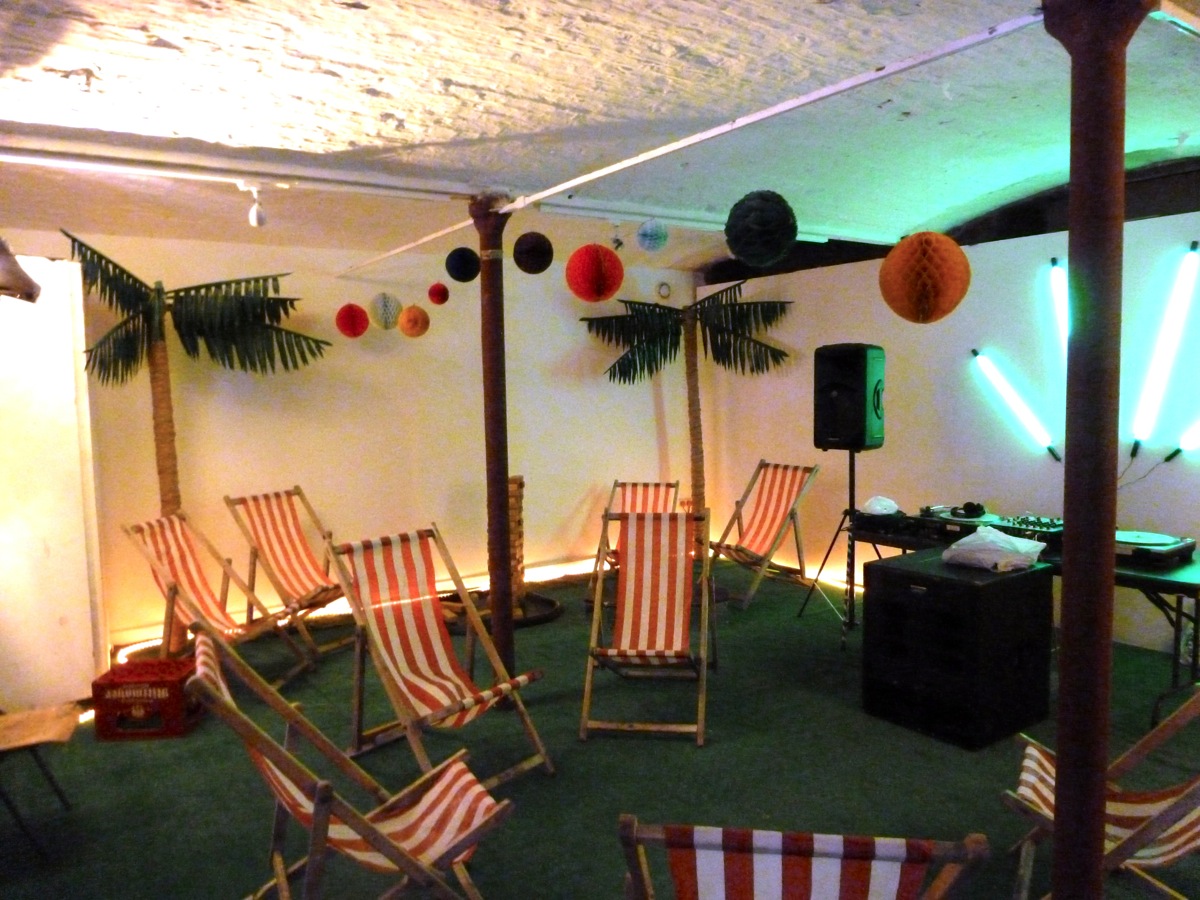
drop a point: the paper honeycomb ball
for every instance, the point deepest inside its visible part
(385, 310)
(462, 264)
(760, 229)
(438, 293)
(924, 277)
(533, 253)
(414, 321)
(352, 320)
(652, 235)
(594, 273)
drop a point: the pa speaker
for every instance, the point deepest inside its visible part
(848, 397)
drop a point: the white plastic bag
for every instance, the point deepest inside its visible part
(990, 548)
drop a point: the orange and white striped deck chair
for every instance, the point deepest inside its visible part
(419, 836)
(631, 497)
(1143, 828)
(707, 863)
(280, 527)
(665, 555)
(392, 587)
(172, 546)
(767, 509)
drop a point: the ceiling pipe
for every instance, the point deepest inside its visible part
(14, 281)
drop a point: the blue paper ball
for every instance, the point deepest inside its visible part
(652, 235)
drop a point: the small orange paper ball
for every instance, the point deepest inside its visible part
(594, 273)
(924, 277)
(414, 321)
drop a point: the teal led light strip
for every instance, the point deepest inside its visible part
(1167, 347)
(1059, 295)
(1020, 408)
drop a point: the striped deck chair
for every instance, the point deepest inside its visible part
(172, 546)
(631, 497)
(279, 527)
(1143, 829)
(652, 634)
(742, 864)
(420, 835)
(767, 509)
(392, 588)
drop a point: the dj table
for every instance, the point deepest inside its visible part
(1160, 567)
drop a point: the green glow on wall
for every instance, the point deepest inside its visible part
(1019, 407)
(1166, 348)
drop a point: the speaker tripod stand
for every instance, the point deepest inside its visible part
(847, 613)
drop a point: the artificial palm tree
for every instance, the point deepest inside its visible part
(652, 333)
(236, 321)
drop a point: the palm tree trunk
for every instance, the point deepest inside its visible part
(695, 432)
(164, 455)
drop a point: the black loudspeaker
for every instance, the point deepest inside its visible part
(848, 397)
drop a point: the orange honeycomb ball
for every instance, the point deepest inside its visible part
(414, 321)
(924, 277)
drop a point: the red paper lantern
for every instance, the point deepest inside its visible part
(438, 293)
(594, 273)
(924, 277)
(352, 320)
(414, 321)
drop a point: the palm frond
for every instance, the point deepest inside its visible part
(260, 347)
(644, 360)
(116, 286)
(725, 295)
(732, 350)
(640, 323)
(255, 284)
(118, 355)
(649, 332)
(756, 315)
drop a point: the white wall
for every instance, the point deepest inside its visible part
(948, 438)
(50, 617)
(386, 432)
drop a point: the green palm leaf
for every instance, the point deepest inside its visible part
(116, 287)
(117, 356)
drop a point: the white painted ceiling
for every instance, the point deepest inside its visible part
(351, 101)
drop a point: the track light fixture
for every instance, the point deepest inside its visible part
(14, 282)
(257, 217)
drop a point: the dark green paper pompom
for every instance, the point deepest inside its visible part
(761, 228)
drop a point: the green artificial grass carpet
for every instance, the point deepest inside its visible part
(788, 747)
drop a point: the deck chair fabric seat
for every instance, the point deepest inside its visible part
(709, 863)
(631, 497)
(277, 526)
(177, 552)
(391, 583)
(420, 834)
(1143, 828)
(651, 633)
(763, 515)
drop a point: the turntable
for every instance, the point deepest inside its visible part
(1149, 548)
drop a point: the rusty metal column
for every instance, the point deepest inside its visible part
(1095, 33)
(490, 225)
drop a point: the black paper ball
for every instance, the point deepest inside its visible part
(462, 264)
(533, 253)
(761, 228)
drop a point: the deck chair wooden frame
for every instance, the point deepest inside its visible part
(630, 497)
(392, 588)
(277, 527)
(741, 863)
(1144, 829)
(172, 546)
(420, 834)
(651, 634)
(762, 516)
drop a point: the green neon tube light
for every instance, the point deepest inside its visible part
(1059, 295)
(1020, 408)
(1169, 333)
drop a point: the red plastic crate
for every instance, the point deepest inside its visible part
(144, 699)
